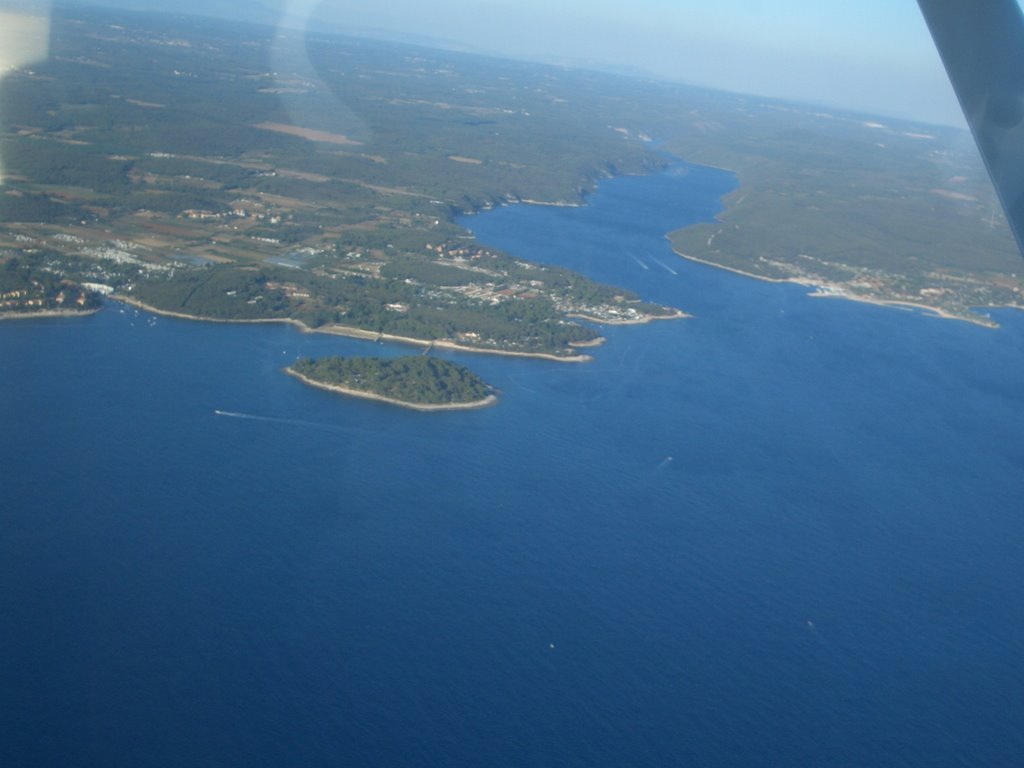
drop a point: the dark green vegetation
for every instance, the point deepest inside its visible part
(415, 380)
(517, 319)
(321, 177)
(26, 287)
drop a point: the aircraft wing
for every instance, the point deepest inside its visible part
(981, 43)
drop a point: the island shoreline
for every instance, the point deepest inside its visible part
(472, 405)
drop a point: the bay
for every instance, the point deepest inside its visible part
(787, 530)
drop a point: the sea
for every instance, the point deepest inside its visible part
(788, 531)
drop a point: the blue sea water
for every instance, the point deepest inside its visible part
(787, 531)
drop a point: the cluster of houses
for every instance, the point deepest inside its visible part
(26, 299)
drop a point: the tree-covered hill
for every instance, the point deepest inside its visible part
(416, 380)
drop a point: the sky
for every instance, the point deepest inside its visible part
(870, 55)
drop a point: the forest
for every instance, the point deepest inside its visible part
(387, 305)
(416, 379)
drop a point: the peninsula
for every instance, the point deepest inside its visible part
(880, 211)
(417, 382)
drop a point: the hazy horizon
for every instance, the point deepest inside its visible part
(876, 57)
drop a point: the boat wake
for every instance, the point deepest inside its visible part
(664, 266)
(273, 419)
(639, 262)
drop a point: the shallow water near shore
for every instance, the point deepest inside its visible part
(785, 531)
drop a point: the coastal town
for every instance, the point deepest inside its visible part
(24, 292)
(195, 197)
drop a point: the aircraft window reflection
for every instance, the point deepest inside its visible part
(489, 384)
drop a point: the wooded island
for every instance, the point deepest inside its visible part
(422, 383)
